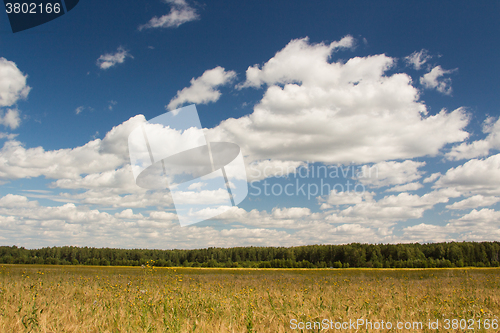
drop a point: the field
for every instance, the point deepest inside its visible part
(124, 299)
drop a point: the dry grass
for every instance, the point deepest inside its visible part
(123, 299)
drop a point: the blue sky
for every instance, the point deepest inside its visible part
(406, 89)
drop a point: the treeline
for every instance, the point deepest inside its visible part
(485, 254)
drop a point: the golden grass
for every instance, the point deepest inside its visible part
(125, 299)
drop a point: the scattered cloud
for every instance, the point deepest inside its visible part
(203, 89)
(82, 108)
(181, 12)
(8, 136)
(434, 80)
(111, 105)
(314, 108)
(79, 109)
(108, 60)
(418, 59)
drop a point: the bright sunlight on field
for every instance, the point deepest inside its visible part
(121, 299)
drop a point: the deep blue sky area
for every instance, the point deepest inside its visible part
(73, 101)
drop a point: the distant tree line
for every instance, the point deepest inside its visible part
(454, 254)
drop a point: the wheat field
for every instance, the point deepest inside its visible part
(148, 299)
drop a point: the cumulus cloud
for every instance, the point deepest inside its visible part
(405, 187)
(424, 232)
(96, 156)
(477, 225)
(318, 110)
(474, 202)
(14, 201)
(476, 176)
(13, 87)
(108, 60)
(258, 170)
(432, 177)
(180, 13)
(418, 59)
(203, 89)
(301, 61)
(390, 173)
(10, 118)
(390, 209)
(337, 198)
(12, 83)
(434, 80)
(478, 148)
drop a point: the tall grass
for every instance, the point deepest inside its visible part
(123, 299)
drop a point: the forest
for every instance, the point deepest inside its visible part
(432, 255)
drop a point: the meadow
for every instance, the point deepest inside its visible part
(47, 298)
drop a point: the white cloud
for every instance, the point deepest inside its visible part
(390, 209)
(290, 213)
(418, 59)
(13, 201)
(474, 177)
(368, 221)
(79, 109)
(259, 170)
(10, 118)
(479, 225)
(203, 89)
(432, 177)
(390, 173)
(319, 110)
(112, 104)
(8, 136)
(180, 13)
(427, 233)
(105, 197)
(12, 83)
(474, 202)
(120, 179)
(336, 198)
(128, 214)
(434, 80)
(301, 61)
(480, 147)
(405, 188)
(108, 60)
(96, 156)
(13, 87)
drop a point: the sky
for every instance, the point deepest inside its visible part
(358, 121)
